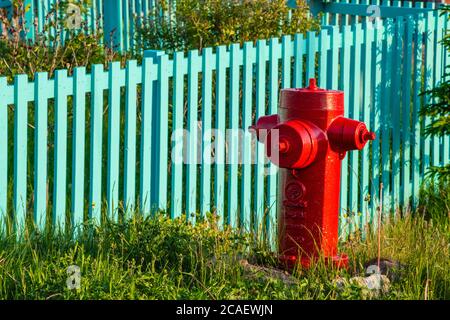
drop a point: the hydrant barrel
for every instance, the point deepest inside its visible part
(307, 140)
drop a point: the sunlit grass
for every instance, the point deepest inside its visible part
(159, 258)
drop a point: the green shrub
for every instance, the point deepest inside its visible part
(195, 24)
(159, 258)
(434, 201)
(439, 108)
(55, 47)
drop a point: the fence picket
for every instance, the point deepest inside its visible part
(272, 187)
(62, 90)
(233, 136)
(205, 185)
(344, 82)
(397, 57)
(386, 113)
(21, 90)
(128, 25)
(438, 67)
(376, 118)
(219, 178)
(80, 83)
(286, 53)
(259, 207)
(354, 113)
(146, 135)
(112, 182)
(247, 99)
(3, 154)
(310, 56)
(324, 45)
(416, 122)
(129, 186)
(40, 149)
(298, 60)
(433, 61)
(191, 170)
(113, 25)
(406, 113)
(367, 189)
(160, 177)
(333, 76)
(95, 192)
(176, 205)
(428, 83)
(446, 61)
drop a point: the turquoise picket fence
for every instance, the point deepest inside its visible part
(89, 145)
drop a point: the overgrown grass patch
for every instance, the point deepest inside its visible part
(159, 258)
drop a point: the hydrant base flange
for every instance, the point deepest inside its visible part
(289, 262)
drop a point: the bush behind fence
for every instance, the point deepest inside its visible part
(120, 19)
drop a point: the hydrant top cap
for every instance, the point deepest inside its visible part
(314, 88)
(312, 98)
(313, 84)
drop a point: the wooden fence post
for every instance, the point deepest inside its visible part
(113, 25)
(29, 19)
(157, 194)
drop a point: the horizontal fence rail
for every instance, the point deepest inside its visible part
(102, 144)
(353, 11)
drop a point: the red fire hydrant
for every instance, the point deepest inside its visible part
(308, 140)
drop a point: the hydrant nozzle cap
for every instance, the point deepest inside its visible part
(283, 146)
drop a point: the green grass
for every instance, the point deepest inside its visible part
(156, 258)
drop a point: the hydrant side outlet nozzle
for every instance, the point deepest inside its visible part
(347, 134)
(263, 126)
(295, 144)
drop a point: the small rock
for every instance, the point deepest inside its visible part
(226, 259)
(372, 286)
(376, 282)
(340, 283)
(267, 273)
(388, 267)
